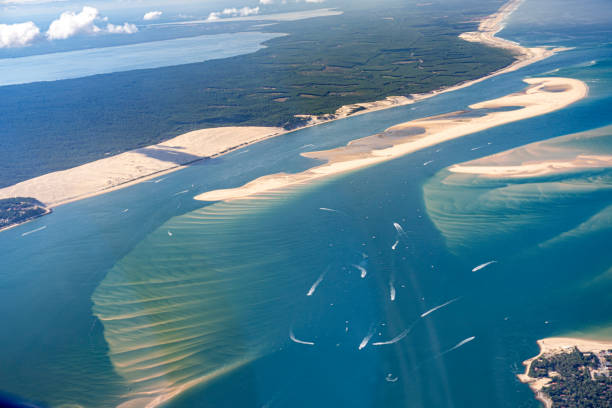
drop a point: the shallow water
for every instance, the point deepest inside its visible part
(106, 305)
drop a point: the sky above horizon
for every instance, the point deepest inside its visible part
(24, 23)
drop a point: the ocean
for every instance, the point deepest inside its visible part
(357, 290)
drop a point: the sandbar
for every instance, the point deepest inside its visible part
(537, 168)
(399, 140)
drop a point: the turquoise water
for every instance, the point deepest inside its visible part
(153, 54)
(105, 305)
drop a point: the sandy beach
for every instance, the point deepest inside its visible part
(555, 345)
(136, 166)
(143, 164)
(537, 99)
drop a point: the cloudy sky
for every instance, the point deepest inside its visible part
(24, 23)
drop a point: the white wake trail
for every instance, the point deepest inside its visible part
(461, 343)
(361, 269)
(33, 231)
(430, 311)
(482, 266)
(393, 340)
(367, 338)
(293, 339)
(328, 209)
(399, 229)
(314, 286)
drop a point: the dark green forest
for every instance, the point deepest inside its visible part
(574, 387)
(322, 64)
(19, 209)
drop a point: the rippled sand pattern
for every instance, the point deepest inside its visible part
(195, 299)
(517, 190)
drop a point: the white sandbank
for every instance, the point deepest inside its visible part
(544, 95)
(537, 168)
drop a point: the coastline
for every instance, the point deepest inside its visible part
(543, 95)
(136, 166)
(556, 345)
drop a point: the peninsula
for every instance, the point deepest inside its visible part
(570, 372)
(134, 166)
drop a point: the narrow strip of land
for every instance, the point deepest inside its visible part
(102, 176)
(544, 95)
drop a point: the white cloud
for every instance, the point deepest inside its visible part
(18, 35)
(233, 12)
(70, 23)
(266, 2)
(29, 1)
(152, 15)
(126, 28)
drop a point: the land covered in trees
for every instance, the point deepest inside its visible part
(19, 210)
(324, 63)
(575, 379)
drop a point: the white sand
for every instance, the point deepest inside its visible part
(537, 99)
(537, 169)
(118, 171)
(493, 24)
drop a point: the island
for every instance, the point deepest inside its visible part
(571, 373)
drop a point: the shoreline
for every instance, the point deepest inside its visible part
(543, 95)
(556, 345)
(101, 176)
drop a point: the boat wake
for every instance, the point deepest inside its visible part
(314, 286)
(482, 266)
(25, 234)
(295, 340)
(367, 338)
(430, 311)
(364, 271)
(394, 340)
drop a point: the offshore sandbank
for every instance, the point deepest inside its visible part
(105, 175)
(544, 95)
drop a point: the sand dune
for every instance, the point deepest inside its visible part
(135, 166)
